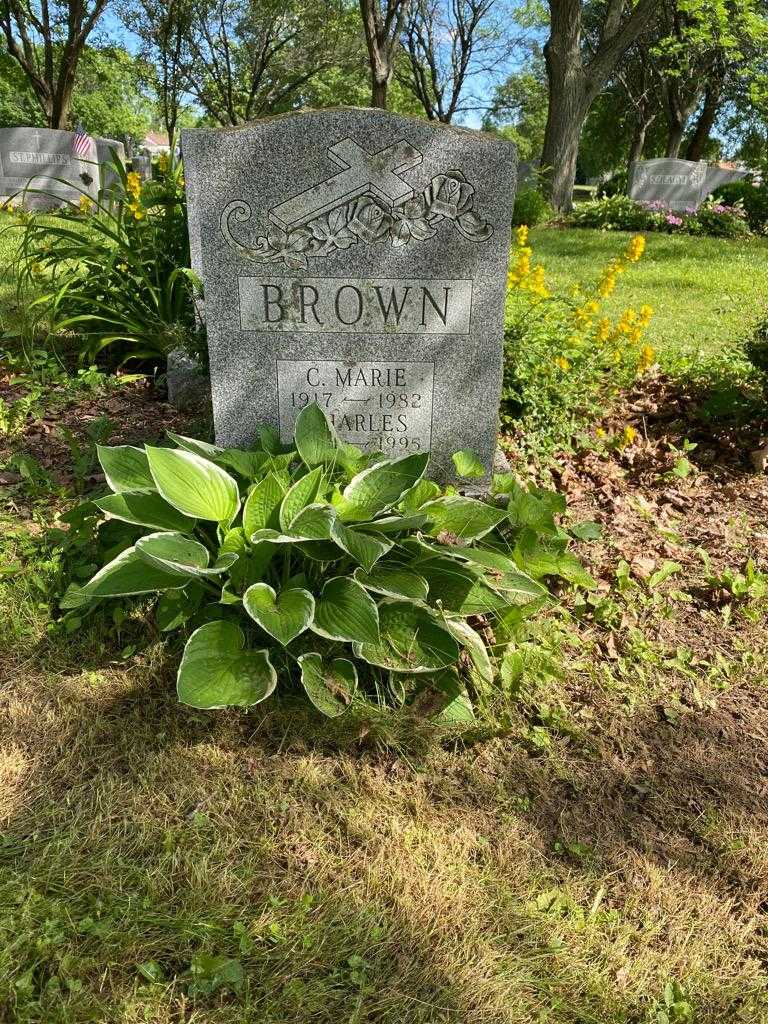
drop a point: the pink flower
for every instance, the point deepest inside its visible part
(674, 221)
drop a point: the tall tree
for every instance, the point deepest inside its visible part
(163, 27)
(576, 75)
(518, 109)
(451, 42)
(249, 60)
(383, 23)
(47, 38)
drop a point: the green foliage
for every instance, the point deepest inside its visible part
(620, 213)
(109, 98)
(116, 272)
(753, 199)
(531, 208)
(323, 568)
(617, 184)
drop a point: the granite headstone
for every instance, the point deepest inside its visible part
(44, 159)
(104, 150)
(358, 259)
(676, 184)
(142, 165)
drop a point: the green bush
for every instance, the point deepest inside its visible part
(718, 220)
(752, 198)
(617, 213)
(617, 184)
(324, 568)
(117, 271)
(531, 208)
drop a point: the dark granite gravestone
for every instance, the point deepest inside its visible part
(104, 151)
(43, 158)
(358, 259)
(677, 184)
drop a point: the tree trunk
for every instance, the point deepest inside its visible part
(637, 145)
(705, 123)
(675, 139)
(379, 88)
(561, 147)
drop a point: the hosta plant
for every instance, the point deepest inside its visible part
(322, 567)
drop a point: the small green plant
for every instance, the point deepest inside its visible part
(673, 1007)
(531, 208)
(325, 566)
(615, 212)
(116, 271)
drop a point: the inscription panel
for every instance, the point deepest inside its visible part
(376, 405)
(348, 306)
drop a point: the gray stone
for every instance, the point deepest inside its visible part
(189, 386)
(528, 174)
(358, 259)
(43, 159)
(717, 176)
(677, 184)
(104, 150)
(142, 165)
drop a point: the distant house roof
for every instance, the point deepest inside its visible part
(156, 139)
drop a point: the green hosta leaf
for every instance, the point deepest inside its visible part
(320, 550)
(396, 524)
(330, 687)
(130, 574)
(144, 508)
(535, 509)
(234, 542)
(247, 464)
(457, 588)
(194, 485)
(467, 464)
(412, 640)
(443, 699)
(126, 468)
(262, 506)
(462, 517)
(174, 552)
(393, 581)
(538, 559)
(283, 616)
(344, 611)
(475, 647)
(503, 574)
(423, 491)
(314, 437)
(175, 607)
(303, 493)
(313, 523)
(381, 486)
(216, 672)
(364, 548)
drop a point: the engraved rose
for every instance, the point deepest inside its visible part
(410, 222)
(368, 219)
(450, 194)
(332, 231)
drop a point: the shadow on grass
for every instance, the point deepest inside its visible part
(481, 886)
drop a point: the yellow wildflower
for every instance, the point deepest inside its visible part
(562, 363)
(628, 435)
(616, 356)
(122, 267)
(600, 432)
(133, 184)
(646, 312)
(635, 248)
(537, 284)
(647, 358)
(85, 204)
(603, 330)
(521, 235)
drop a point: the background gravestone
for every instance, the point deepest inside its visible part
(104, 149)
(38, 156)
(717, 176)
(142, 165)
(359, 259)
(678, 184)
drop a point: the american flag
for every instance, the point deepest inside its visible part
(81, 143)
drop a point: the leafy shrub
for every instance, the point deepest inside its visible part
(531, 208)
(617, 184)
(323, 566)
(117, 271)
(563, 360)
(617, 213)
(753, 199)
(716, 219)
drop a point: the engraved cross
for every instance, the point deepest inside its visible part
(362, 173)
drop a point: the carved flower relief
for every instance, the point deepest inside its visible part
(291, 245)
(332, 229)
(410, 223)
(369, 219)
(450, 195)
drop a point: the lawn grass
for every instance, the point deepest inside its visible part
(604, 839)
(707, 293)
